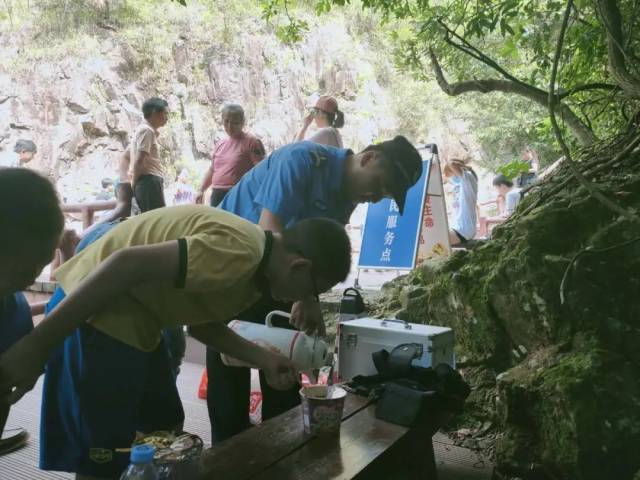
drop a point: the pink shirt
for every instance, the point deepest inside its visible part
(233, 157)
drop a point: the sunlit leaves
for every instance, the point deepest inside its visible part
(292, 32)
(514, 168)
(288, 28)
(519, 35)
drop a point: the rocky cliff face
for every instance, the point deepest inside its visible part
(79, 101)
(79, 112)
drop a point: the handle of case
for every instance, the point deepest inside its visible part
(275, 313)
(407, 325)
(351, 292)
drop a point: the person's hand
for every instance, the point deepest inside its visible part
(308, 119)
(199, 197)
(280, 372)
(307, 316)
(20, 367)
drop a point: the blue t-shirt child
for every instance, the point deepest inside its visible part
(15, 319)
(81, 437)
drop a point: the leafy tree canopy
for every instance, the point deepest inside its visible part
(508, 46)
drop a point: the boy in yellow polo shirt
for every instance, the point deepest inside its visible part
(186, 265)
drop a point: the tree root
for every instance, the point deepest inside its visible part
(565, 277)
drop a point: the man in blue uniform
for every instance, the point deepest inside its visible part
(298, 181)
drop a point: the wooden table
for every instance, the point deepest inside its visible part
(367, 448)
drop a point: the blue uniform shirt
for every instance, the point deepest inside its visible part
(298, 181)
(95, 233)
(15, 319)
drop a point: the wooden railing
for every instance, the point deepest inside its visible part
(485, 224)
(37, 308)
(88, 209)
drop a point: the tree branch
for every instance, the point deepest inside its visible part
(589, 250)
(612, 21)
(591, 171)
(472, 51)
(552, 102)
(466, 47)
(582, 131)
(584, 135)
(588, 86)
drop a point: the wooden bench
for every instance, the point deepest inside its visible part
(367, 448)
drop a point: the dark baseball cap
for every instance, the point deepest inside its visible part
(405, 166)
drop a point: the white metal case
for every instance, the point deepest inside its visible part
(361, 337)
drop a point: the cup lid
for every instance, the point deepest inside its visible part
(142, 453)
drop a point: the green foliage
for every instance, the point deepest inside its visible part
(63, 19)
(514, 168)
(505, 124)
(513, 39)
(292, 32)
(518, 34)
(289, 30)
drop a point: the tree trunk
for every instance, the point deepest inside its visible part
(581, 131)
(618, 59)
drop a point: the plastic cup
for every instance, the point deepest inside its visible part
(322, 415)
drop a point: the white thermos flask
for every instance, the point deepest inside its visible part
(307, 353)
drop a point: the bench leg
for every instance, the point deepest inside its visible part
(410, 458)
(414, 454)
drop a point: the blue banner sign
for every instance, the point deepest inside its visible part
(390, 240)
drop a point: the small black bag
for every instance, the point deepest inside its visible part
(405, 391)
(352, 302)
(401, 404)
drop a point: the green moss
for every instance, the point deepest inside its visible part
(563, 404)
(513, 447)
(565, 386)
(568, 400)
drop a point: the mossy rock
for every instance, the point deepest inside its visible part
(514, 448)
(480, 405)
(582, 407)
(550, 304)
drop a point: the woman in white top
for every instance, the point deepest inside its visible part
(465, 182)
(328, 119)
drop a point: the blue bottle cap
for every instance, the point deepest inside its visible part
(142, 453)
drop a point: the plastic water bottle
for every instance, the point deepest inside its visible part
(141, 466)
